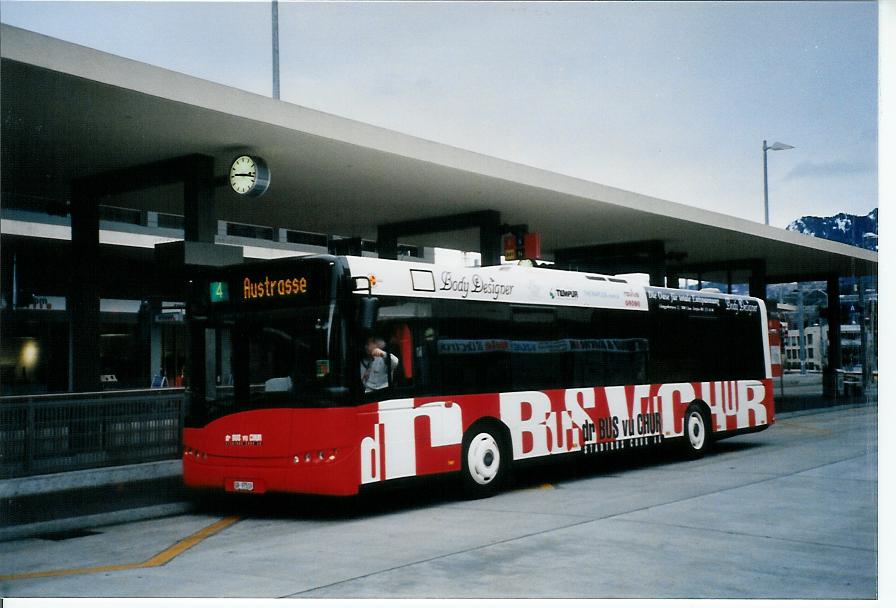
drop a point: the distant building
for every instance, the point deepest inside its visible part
(817, 347)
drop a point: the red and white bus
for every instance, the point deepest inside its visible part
(484, 368)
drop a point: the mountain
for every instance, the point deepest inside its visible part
(858, 230)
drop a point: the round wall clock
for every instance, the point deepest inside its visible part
(249, 175)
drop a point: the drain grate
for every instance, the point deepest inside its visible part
(67, 534)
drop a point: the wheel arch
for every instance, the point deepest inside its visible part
(493, 423)
(707, 414)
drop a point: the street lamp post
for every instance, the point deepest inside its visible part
(275, 48)
(765, 148)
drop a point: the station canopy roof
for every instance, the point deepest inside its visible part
(70, 111)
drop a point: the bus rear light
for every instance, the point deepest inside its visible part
(296, 459)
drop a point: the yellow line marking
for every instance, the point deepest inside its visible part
(159, 559)
(194, 539)
(805, 428)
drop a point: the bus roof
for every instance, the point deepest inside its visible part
(509, 284)
(513, 284)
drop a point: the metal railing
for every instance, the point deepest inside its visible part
(55, 433)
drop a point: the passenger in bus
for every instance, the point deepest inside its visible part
(376, 371)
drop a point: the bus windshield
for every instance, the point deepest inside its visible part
(286, 354)
(266, 336)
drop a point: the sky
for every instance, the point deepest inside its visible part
(671, 100)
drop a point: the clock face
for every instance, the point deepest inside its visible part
(243, 174)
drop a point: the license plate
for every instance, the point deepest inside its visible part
(243, 486)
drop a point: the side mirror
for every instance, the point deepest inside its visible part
(367, 312)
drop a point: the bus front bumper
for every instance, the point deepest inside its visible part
(313, 476)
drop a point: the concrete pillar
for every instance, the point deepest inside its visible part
(155, 339)
(200, 222)
(834, 351)
(656, 261)
(758, 280)
(490, 235)
(672, 279)
(386, 243)
(863, 334)
(196, 172)
(83, 295)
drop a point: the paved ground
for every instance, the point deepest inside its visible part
(787, 513)
(798, 385)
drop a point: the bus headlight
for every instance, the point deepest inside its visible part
(321, 456)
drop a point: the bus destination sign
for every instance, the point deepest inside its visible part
(272, 289)
(267, 287)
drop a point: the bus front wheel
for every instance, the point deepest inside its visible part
(485, 461)
(696, 431)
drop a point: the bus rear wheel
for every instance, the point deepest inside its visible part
(696, 432)
(485, 461)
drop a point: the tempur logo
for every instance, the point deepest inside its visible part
(565, 293)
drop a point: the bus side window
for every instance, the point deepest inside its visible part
(402, 344)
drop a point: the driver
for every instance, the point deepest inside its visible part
(375, 373)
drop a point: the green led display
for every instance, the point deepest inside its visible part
(218, 291)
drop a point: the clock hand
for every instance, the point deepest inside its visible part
(243, 175)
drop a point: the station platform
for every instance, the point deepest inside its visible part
(61, 504)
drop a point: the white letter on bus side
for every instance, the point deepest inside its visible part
(707, 392)
(397, 417)
(666, 393)
(398, 426)
(370, 457)
(511, 405)
(577, 400)
(445, 423)
(750, 395)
